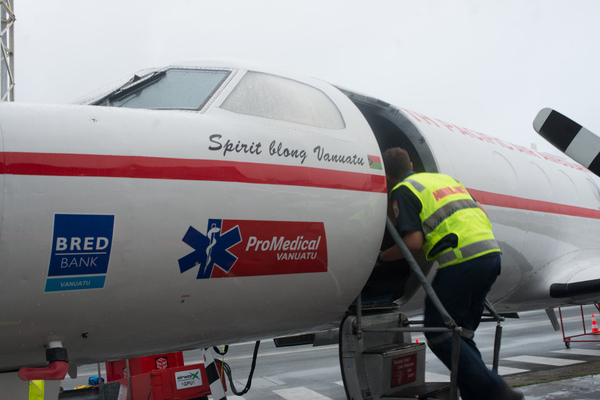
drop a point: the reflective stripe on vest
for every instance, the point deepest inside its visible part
(468, 251)
(447, 208)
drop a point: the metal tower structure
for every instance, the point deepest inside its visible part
(7, 45)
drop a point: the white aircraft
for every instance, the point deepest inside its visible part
(208, 203)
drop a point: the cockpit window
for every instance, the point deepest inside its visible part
(274, 97)
(172, 89)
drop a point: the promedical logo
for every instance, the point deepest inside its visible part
(296, 249)
(252, 248)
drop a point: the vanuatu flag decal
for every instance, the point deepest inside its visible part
(374, 162)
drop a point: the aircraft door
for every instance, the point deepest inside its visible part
(394, 281)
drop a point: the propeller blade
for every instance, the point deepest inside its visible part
(569, 137)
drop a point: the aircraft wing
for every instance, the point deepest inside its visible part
(579, 277)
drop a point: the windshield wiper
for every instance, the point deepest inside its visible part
(133, 84)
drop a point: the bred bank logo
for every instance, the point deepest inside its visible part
(81, 246)
(253, 248)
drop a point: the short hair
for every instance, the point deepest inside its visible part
(397, 162)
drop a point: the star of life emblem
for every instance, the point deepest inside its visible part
(211, 249)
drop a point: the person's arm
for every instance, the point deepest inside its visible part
(412, 239)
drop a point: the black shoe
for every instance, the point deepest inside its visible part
(514, 395)
(508, 394)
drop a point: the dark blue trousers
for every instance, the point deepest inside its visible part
(462, 289)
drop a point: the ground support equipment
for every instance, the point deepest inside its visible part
(592, 336)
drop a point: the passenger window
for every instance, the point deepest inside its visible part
(274, 97)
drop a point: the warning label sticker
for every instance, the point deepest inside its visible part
(404, 370)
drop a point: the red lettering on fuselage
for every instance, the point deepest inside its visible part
(491, 139)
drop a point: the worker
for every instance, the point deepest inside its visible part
(436, 214)
(36, 390)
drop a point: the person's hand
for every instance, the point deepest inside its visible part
(378, 262)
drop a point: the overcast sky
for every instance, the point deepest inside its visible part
(486, 65)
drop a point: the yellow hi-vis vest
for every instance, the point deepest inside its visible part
(36, 390)
(447, 208)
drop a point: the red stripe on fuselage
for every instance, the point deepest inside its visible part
(91, 165)
(519, 203)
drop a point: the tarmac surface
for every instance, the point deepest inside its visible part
(533, 360)
(552, 385)
(582, 388)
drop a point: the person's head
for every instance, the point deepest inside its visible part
(397, 163)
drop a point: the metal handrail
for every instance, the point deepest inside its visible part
(498, 336)
(422, 279)
(448, 320)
